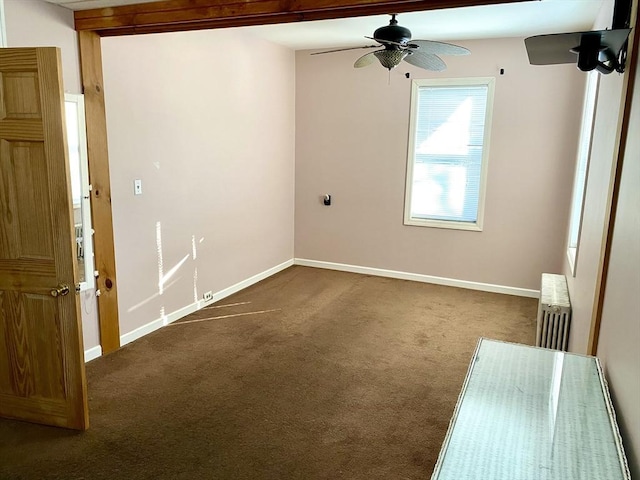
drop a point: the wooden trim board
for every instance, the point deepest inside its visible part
(181, 15)
(104, 251)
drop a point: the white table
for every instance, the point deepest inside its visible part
(528, 413)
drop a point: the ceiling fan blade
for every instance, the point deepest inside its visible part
(344, 49)
(428, 61)
(366, 59)
(438, 48)
(556, 48)
(386, 42)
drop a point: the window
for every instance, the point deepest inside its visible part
(580, 180)
(79, 170)
(448, 149)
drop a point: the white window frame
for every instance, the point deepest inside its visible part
(85, 200)
(583, 156)
(489, 82)
(3, 26)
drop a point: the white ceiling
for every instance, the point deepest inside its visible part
(519, 19)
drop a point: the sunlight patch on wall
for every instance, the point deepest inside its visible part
(172, 271)
(159, 250)
(155, 295)
(195, 284)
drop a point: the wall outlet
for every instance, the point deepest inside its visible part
(208, 296)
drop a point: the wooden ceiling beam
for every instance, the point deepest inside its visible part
(179, 15)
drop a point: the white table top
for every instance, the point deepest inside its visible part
(527, 413)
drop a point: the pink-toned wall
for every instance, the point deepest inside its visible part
(33, 23)
(351, 142)
(620, 328)
(206, 120)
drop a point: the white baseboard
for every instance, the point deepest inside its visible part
(418, 277)
(140, 332)
(195, 306)
(92, 353)
(250, 281)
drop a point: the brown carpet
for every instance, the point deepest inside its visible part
(354, 377)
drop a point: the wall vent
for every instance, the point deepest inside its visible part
(554, 313)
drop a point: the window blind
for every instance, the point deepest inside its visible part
(448, 152)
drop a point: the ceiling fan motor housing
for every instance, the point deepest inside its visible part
(589, 51)
(393, 33)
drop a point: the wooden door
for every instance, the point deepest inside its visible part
(42, 376)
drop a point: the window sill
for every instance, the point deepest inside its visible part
(416, 222)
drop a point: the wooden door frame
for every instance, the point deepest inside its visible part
(101, 213)
(184, 15)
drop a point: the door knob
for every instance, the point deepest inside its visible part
(60, 291)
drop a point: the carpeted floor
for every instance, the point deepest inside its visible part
(352, 377)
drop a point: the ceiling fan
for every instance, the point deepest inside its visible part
(398, 46)
(602, 50)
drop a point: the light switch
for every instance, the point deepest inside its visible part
(137, 187)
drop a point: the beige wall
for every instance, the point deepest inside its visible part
(620, 328)
(33, 23)
(351, 142)
(206, 120)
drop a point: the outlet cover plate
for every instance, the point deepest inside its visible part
(208, 296)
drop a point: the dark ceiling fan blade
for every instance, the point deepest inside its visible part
(366, 59)
(438, 48)
(428, 61)
(386, 42)
(344, 49)
(556, 48)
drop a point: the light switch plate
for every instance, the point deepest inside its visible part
(137, 187)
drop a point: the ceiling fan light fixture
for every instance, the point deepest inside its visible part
(390, 58)
(396, 47)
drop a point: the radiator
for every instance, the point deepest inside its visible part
(554, 313)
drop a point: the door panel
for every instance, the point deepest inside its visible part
(23, 163)
(42, 376)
